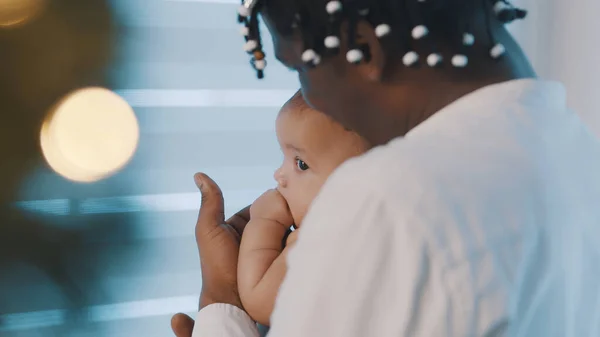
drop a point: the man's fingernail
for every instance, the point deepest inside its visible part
(198, 180)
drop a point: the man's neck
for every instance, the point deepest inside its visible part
(404, 105)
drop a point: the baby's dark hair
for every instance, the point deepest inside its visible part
(397, 23)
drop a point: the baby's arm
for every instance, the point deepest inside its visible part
(262, 264)
(261, 268)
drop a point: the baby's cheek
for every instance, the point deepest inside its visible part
(300, 195)
(298, 217)
(311, 193)
(303, 206)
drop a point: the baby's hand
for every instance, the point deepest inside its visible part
(272, 206)
(261, 263)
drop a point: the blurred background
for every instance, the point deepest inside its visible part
(117, 257)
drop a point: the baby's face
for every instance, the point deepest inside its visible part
(313, 146)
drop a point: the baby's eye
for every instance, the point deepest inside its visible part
(302, 166)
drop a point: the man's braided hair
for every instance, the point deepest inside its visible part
(397, 23)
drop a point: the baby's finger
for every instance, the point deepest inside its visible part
(263, 235)
(292, 238)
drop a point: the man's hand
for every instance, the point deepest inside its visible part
(182, 325)
(218, 244)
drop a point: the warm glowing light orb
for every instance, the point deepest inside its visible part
(16, 12)
(91, 134)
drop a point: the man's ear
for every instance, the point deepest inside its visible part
(374, 63)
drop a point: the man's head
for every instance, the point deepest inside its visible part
(380, 66)
(313, 146)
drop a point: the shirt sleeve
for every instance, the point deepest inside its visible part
(224, 320)
(356, 270)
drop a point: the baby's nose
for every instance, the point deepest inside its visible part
(279, 178)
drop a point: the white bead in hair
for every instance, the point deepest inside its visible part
(382, 30)
(244, 31)
(434, 59)
(332, 42)
(333, 7)
(468, 39)
(260, 64)
(316, 60)
(243, 11)
(497, 50)
(250, 46)
(354, 56)
(410, 58)
(309, 55)
(500, 6)
(419, 32)
(460, 61)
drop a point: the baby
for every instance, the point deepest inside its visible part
(313, 146)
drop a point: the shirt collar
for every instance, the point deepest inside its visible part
(541, 96)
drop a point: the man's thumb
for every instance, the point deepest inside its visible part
(182, 325)
(212, 208)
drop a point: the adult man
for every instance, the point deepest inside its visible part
(475, 217)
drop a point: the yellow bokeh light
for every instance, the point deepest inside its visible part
(90, 134)
(16, 12)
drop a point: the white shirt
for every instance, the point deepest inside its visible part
(482, 221)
